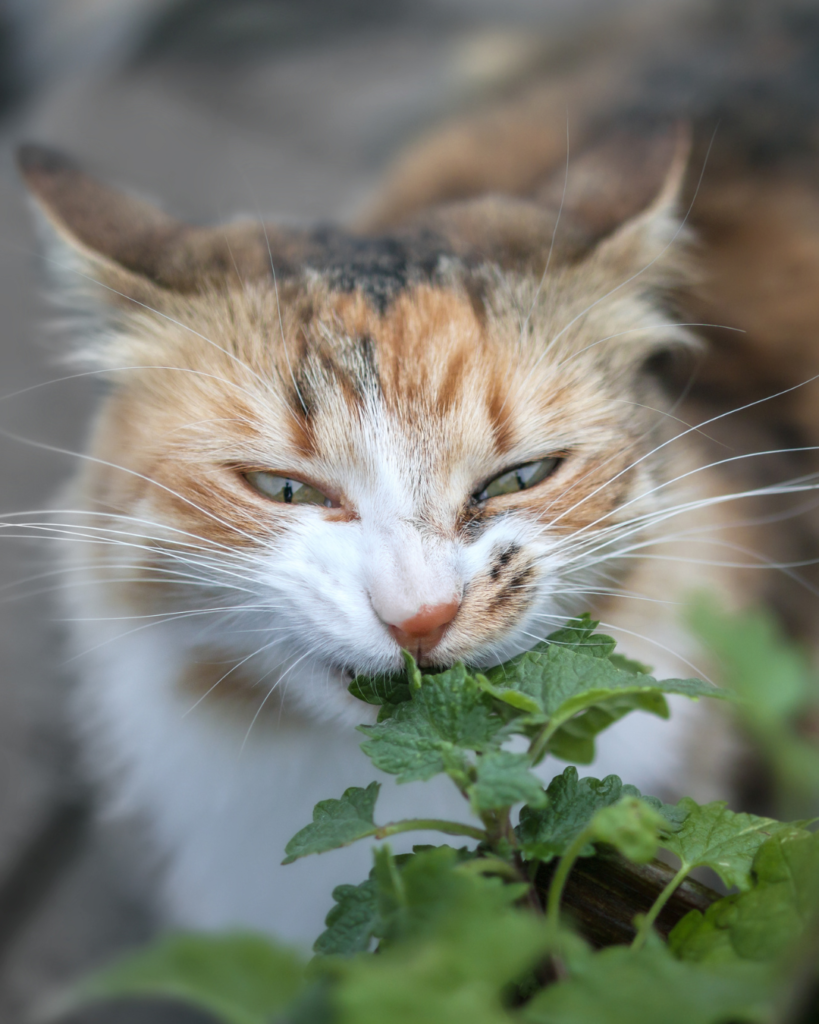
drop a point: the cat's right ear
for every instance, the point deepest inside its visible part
(107, 248)
(101, 246)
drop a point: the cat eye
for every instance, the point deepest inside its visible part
(285, 489)
(519, 479)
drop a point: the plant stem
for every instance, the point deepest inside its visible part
(498, 825)
(559, 880)
(450, 828)
(658, 904)
(537, 748)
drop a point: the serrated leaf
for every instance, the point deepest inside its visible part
(448, 716)
(352, 923)
(504, 779)
(713, 836)
(554, 684)
(619, 985)
(240, 978)
(572, 803)
(579, 633)
(336, 823)
(767, 920)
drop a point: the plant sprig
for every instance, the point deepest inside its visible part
(464, 936)
(558, 696)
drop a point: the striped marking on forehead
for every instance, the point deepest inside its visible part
(424, 383)
(429, 353)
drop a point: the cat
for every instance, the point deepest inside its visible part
(444, 432)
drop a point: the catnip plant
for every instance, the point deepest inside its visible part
(481, 933)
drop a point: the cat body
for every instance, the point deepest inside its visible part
(444, 432)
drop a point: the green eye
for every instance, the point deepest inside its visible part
(286, 490)
(519, 479)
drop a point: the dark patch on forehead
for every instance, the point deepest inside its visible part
(378, 267)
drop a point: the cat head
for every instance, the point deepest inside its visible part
(335, 445)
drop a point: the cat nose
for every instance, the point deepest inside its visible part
(424, 630)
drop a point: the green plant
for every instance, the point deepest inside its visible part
(475, 935)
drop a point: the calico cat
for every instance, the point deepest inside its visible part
(444, 432)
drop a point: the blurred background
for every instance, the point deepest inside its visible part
(211, 107)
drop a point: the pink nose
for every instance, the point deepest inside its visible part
(425, 629)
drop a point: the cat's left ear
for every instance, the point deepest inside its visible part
(647, 240)
(620, 199)
(616, 203)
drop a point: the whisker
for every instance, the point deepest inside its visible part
(650, 640)
(258, 651)
(141, 476)
(268, 695)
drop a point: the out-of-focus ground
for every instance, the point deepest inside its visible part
(212, 107)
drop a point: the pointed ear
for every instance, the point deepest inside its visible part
(618, 202)
(97, 234)
(622, 195)
(659, 229)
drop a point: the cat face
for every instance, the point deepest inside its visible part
(332, 448)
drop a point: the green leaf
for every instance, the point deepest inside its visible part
(765, 922)
(336, 823)
(699, 937)
(773, 915)
(353, 922)
(629, 665)
(456, 945)
(240, 978)
(714, 837)
(773, 676)
(579, 633)
(392, 689)
(572, 803)
(631, 826)
(619, 985)
(448, 716)
(574, 740)
(503, 779)
(575, 691)
(415, 892)
(775, 684)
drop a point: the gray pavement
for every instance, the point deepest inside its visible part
(299, 130)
